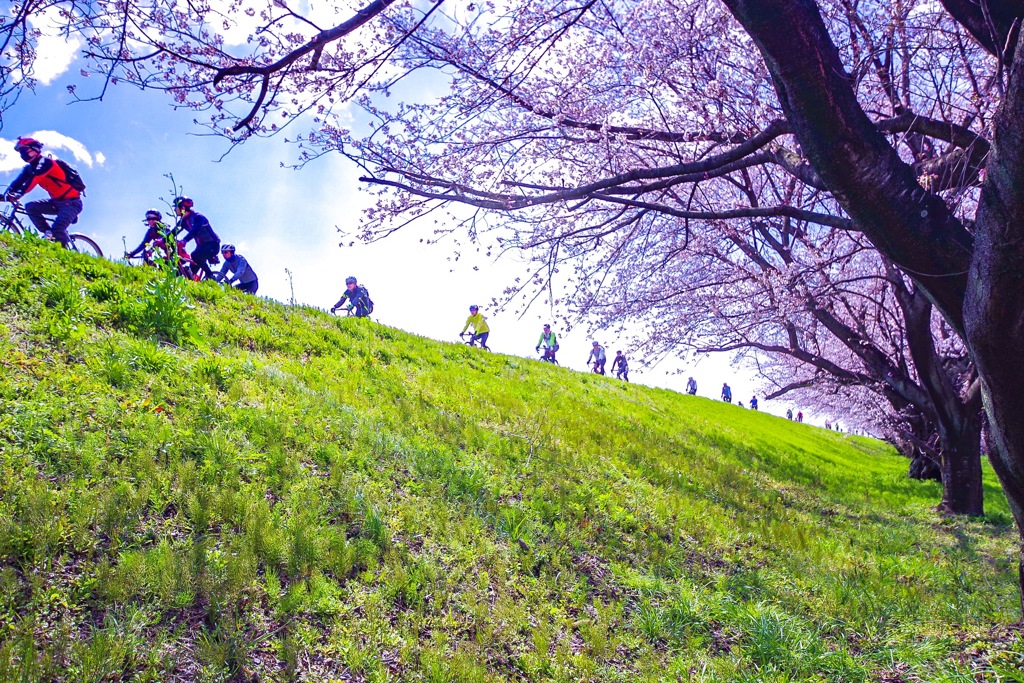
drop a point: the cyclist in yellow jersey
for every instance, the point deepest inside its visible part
(480, 329)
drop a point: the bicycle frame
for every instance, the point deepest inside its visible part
(77, 241)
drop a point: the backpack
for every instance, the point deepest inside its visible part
(369, 301)
(71, 175)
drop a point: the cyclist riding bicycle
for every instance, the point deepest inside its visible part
(480, 328)
(55, 177)
(197, 228)
(599, 357)
(621, 366)
(550, 343)
(158, 234)
(241, 271)
(359, 301)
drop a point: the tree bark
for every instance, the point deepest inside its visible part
(994, 308)
(956, 417)
(962, 492)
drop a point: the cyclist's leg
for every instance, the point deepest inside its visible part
(482, 338)
(67, 211)
(201, 257)
(37, 210)
(249, 287)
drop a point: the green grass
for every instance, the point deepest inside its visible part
(200, 485)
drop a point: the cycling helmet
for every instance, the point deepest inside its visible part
(183, 201)
(227, 247)
(28, 143)
(153, 213)
(350, 280)
(596, 344)
(474, 307)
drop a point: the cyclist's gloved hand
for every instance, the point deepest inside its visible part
(538, 349)
(333, 309)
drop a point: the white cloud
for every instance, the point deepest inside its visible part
(54, 52)
(52, 141)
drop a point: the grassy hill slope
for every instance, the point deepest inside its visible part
(282, 494)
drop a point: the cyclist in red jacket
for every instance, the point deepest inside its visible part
(65, 201)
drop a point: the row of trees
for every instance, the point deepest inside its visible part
(834, 185)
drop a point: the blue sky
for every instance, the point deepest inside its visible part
(282, 218)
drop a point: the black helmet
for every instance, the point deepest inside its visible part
(183, 201)
(153, 213)
(227, 247)
(28, 143)
(350, 280)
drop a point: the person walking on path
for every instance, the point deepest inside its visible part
(620, 366)
(599, 357)
(726, 393)
(481, 330)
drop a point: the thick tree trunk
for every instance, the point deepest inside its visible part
(962, 492)
(994, 307)
(956, 414)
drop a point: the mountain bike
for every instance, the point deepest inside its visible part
(10, 221)
(472, 340)
(548, 356)
(158, 250)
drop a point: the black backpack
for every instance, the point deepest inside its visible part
(369, 301)
(71, 175)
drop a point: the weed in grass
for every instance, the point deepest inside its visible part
(166, 312)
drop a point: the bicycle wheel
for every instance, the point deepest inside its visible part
(85, 245)
(10, 225)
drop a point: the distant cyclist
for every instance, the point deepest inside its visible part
(156, 231)
(481, 330)
(726, 393)
(691, 387)
(54, 176)
(550, 343)
(620, 366)
(197, 228)
(753, 402)
(359, 301)
(241, 271)
(598, 356)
